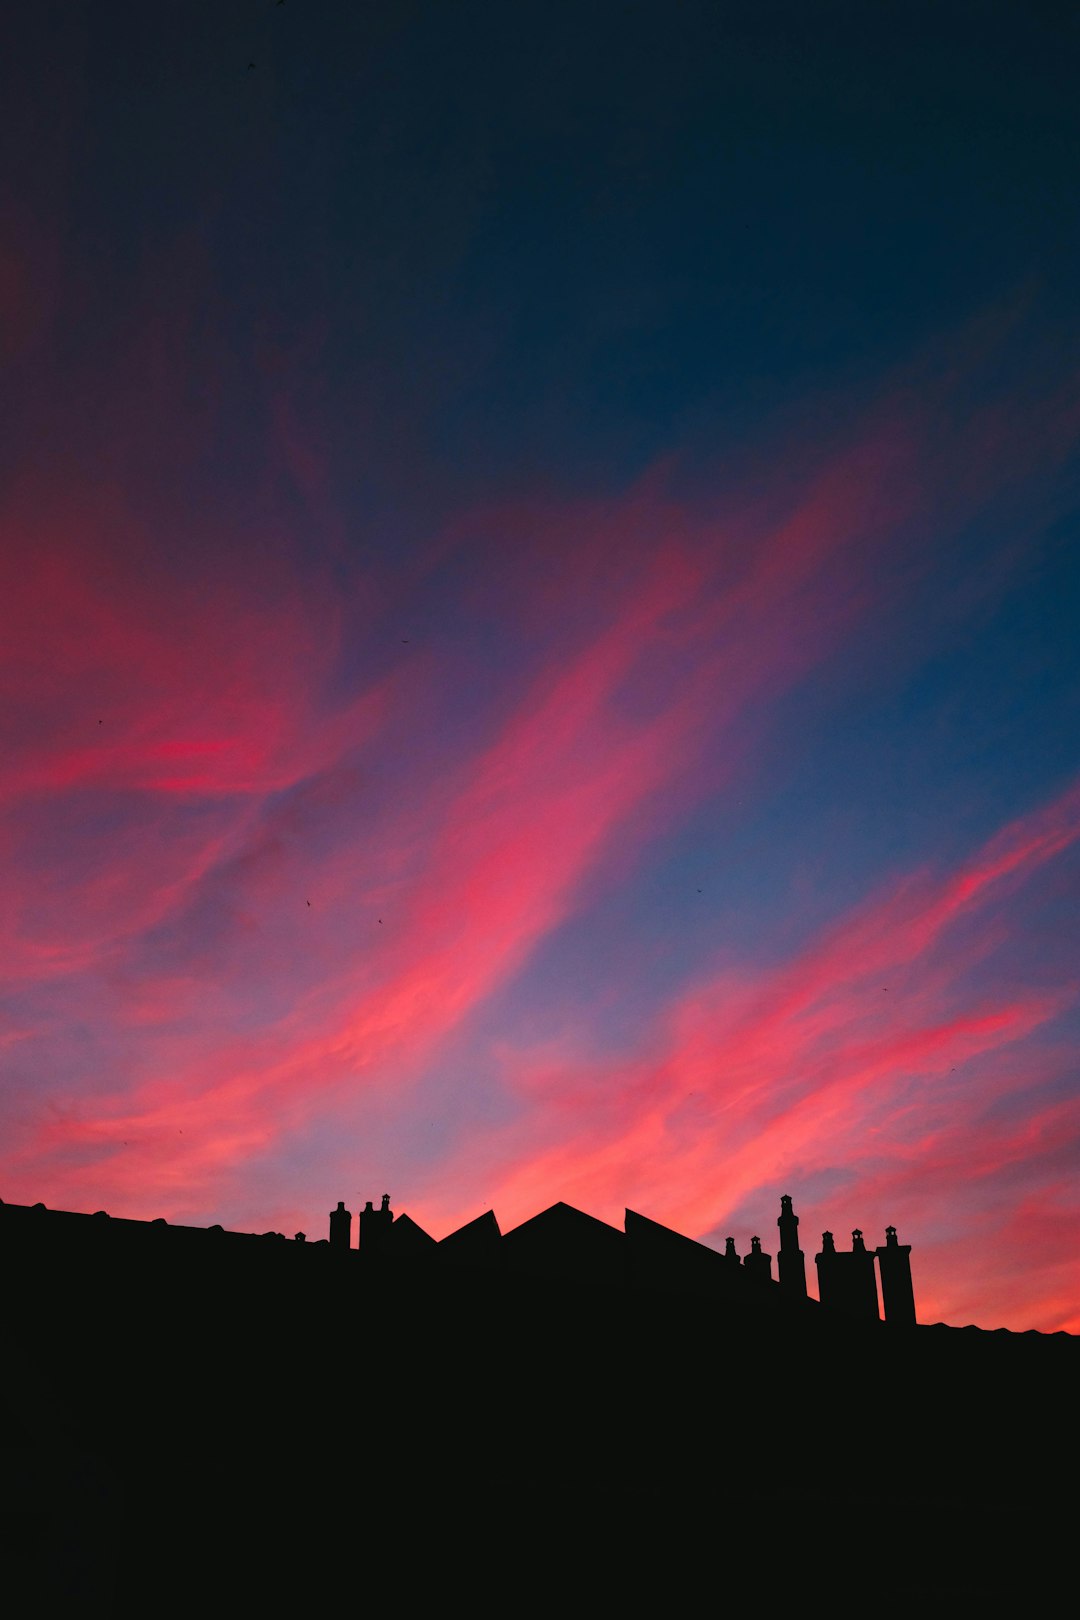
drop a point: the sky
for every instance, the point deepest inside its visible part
(538, 621)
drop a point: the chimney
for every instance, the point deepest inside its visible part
(375, 1226)
(894, 1264)
(846, 1279)
(757, 1264)
(790, 1262)
(340, 1227)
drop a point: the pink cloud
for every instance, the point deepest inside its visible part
(809, 1067)
(499, 851)
(648, 634)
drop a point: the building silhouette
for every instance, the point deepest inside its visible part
(568, 1414)
(559, 1243)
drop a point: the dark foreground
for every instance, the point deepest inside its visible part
(432, 1437)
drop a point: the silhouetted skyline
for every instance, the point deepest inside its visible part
(858, 1285)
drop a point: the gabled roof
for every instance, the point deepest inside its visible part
(406, 1237)
(567, 1240)
(565, 1219)
(659, 1256)
(646, 1233)
(476, 1243)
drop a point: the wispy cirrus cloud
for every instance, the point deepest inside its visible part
(290, 869)
(471, 869)
(874, 1058)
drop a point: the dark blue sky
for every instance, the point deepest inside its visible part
(555, 241)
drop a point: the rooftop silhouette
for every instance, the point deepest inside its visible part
(622, 1407)
(559, 1243)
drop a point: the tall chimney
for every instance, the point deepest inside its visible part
(894, 1264)
(791, 1263)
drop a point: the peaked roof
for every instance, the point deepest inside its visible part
(566, 1240)
(406, 1237)
(646, 1232)
(563, 1220)
(476, 1241)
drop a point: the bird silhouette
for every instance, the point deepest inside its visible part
(380, 919)
(250, 66)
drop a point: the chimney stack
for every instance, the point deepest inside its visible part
(791, 1263)
(759, 1265)
(846, 1278)
(375, 1226)
(894, 1263)
(340, 1227)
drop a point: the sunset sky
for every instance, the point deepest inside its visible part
(539, 620)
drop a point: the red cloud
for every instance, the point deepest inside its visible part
(612, 717)
(501, 848)
(810, 1067)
